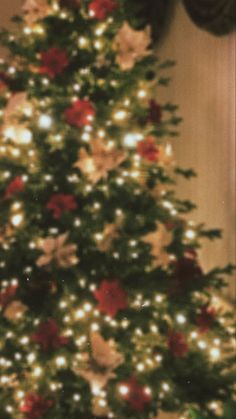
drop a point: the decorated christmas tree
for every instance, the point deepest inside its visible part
(105, 310)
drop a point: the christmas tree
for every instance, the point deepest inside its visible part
(105, 310)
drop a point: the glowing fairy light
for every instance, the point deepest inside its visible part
(83, 42)
(181, 319)
(120, 115)
(37, 372)
(123, 390)
(190, 234)
(27, 30)
(60, 361)
(142, 94)
(215, 354)
(17, 220)
(45, 122)
(131, 139)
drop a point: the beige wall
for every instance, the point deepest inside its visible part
(204, 86)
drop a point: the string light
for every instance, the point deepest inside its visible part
(123, 390)
(215, 354)
(190, 234)
(45, 122)
(131, 139)
(142, 94)
(17, 220)
(60, 361)
(83, 42)
(120, 115)
(181, 319)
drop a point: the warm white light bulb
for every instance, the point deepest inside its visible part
(45, 122)
(131, 140)
(17, 219)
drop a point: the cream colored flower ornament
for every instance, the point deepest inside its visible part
(57, 251)
(159, 240)
(110, 233)
(35, 10)
(100, 161)
(15, 104)
(131, 46)
(98, 368)
(15, 310)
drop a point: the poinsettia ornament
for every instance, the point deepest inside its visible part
(35, 406)
(102, 159)
(16, 186)
(100, 9)
(48, 336)
(177, 344)
(80, 113)
(111, 298)
(35, 10)
(57, 251)
(60, 203)
(131, 46)
(53, 62)
(159, 240)
(98, 368)
(16, 103)
(110, 233)
(148, 149)
(205, 319)
(135, 394)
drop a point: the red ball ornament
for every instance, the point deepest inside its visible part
(177, 344)
(35, 406)
(48, 337)
(111, 297)
(15, 186)
(136, 395)
(53, 62)
(206, 318)
(60, 203)
(148, 149)
(100, 9)
(80, 113)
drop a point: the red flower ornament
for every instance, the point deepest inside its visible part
(35, 406)
(206, 318)
(111, 297)
(15, 186)
(60, 203)
(80, 113)
(136, 395)
(48, 337)
(177, 344)
(148, 149)
(53, 62)
(100, 9)
(7, 296)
